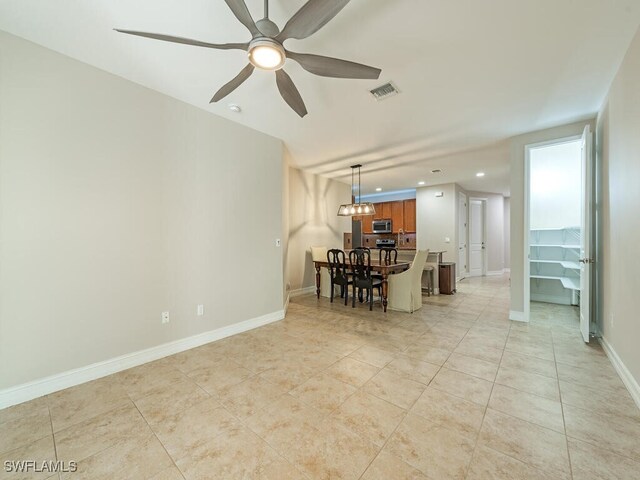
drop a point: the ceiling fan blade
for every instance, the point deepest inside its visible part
(290, 93)
(240, 10)
(186, 41)
(233, 84)
(334, 67)
(313, 15)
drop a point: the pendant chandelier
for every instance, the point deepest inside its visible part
(350, 209)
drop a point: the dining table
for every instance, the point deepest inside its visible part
(382, 268)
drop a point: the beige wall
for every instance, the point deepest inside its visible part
(618, 145)
(436, 219)
(312, 221)
(118, 203)
(517, 156)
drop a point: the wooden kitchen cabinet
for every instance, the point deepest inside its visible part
(409, 207)
(386, 210)
(366, 223)
(378, 214)
(397, 216)
(401, 213)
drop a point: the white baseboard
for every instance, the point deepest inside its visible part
(302, 291)
(37, 388)
(495, 272)
(517, 316)
(285, 308)
(623, 371)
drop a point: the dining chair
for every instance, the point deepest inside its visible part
(376, 276)
(388, 255)
(405, 289)
(360, 262)
(338, 273)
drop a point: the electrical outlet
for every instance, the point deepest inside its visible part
(165, 317)
(200, 310)
(277, 242)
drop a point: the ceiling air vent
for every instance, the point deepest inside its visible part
(384, 91)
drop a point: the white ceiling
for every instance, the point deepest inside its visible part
(472, 73)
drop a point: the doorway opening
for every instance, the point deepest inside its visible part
(477, 237)
(463, 212)
(557, 232)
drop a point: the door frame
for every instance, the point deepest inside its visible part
(463, 273)
(527, 213)
(485, 256)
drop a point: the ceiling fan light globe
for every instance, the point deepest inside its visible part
(266, 54)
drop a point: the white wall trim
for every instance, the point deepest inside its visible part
(517, 316)
(302, 291)
(495, 272)
(285, 308)
(623, 371)
(507, 270)
(37, 388)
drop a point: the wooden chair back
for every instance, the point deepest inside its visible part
(338, 266)
(388, 255)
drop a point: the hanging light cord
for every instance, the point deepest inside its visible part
(359, 186)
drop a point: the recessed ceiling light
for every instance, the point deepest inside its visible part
(235, 108)
(436, 170)
(420, 183)
(378, 189)
(480, 174)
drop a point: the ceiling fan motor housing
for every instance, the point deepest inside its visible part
(267, 27)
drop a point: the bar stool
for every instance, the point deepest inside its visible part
(430, 280)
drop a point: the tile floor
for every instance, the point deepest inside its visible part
(454, 391)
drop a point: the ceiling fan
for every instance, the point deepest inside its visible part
(266, 50)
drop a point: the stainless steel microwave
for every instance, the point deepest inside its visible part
(381, 226)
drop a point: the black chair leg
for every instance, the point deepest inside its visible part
(371, 299)
(346, 295)
(331, 293)
(353, 297)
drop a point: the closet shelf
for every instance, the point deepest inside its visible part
(571, 247)
(567, 282)
(564, 263)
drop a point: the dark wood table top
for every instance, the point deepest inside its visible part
(376, 266)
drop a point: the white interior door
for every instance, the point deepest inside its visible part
(586, 258)
(476, 238)
(462, 235)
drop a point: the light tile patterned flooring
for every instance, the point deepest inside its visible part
(453, 391)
